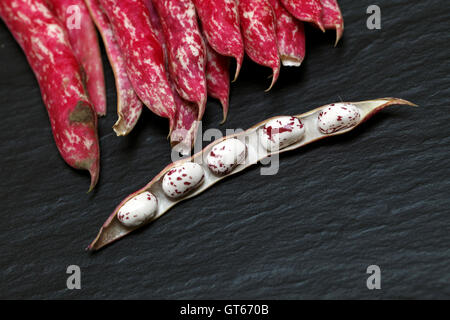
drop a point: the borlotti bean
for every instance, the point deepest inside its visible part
(290, 36)
(143, 55)
(138, 209)
(281, 132)
(332, 17)
(338, 116)
(306, 10)
(45, 42)
(129, 107)
(180, 180)
(84, 41)
(198, 165)
(225, 156)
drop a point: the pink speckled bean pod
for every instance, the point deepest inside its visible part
(183, 136)
(306, 10)
(332, 17)
(191, 176)
(220, 24)
(84, 41)
(46, 45)
(129, 107)
(218, 77)
(185, 48)
(185, 130)
(259, 31)
(290, 36)
(143, 55)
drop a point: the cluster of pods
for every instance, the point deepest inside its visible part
(168, 55)
(189, 177)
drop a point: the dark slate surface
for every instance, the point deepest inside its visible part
(379, 195)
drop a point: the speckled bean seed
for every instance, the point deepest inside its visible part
(281, 132)
(225, 156)
(338, 116)
(138, 210)
(181, 179)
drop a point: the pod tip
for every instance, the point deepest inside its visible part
(276, 73)
(339, 33)
(201, 108)
(320, 25)
(402, 101)
(120, 127)
(291, 61)
(238, 68)
(225, 112)
(94, 171)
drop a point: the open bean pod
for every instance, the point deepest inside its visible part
(191, 176)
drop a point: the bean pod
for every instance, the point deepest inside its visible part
(220, 22)
(143, 55)
(46, 45)
(332, 17)
(306, 10)
(304, 129)
(218, 77)
(258, 26)
(129, 107)
(185, 129)
(290, 36)
(83, 38)
(185, 48)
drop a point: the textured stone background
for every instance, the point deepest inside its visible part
(379, 195)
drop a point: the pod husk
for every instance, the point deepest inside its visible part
(113, 230)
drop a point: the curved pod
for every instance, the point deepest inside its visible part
(113, 230)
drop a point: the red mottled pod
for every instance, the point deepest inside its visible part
(47, 48)
(83, 38)
(306, 10)
(129, 107)
(157, 28)
(290, 36)
(220, 23)
(332, 17)
(185, 128)
(186, 50)
(218, 77)
(259, 31)
(183, 136)
(143, 55)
